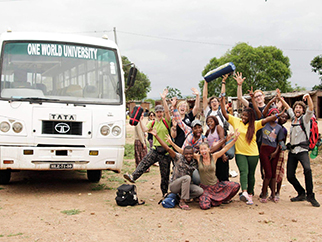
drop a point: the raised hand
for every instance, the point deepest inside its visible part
(224, 77)
(239, 78)
(169, 139)
(195, 91)
(153, 132)
(305, 96)
(164, 93)
(250, 92)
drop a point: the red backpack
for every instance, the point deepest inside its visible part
(314, 131)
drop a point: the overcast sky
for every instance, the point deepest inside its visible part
(171, 41)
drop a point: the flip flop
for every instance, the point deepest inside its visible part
(184, 207)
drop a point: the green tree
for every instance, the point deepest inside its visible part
(316, 64)
(149, 100)
(141, 86)
(264, 67)
(173, 92)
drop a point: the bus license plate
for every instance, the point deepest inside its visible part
(61, 166)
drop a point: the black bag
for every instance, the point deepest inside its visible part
(126, 196)
(136, 115)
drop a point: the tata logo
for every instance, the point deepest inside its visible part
(62, 128)
(66, 117)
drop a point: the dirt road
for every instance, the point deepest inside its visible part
(64, 206)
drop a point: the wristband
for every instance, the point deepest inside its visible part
(223, 82)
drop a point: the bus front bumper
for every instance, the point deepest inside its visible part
(61, 158)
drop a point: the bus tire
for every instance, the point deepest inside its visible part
(94, 175)
(5, 176)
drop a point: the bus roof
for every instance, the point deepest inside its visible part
(67, 38)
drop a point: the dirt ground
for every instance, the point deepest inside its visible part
(64, 206)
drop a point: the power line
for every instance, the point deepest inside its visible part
(200, 42)
(172, 39)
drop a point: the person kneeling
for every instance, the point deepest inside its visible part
(184, 165)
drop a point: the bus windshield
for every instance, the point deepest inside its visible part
(60, 71)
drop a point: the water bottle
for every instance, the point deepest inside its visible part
(314, 152)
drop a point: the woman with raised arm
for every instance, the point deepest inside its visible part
(186, 117)
(246, 148)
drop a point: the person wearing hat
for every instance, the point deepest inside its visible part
(157, 153)
(299, 148)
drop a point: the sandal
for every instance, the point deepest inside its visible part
(263, 200)
(184, 206)
(275, 199)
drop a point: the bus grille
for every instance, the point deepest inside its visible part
(62, 128)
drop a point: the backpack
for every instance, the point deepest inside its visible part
(224, 121)
(136, 115)
(126, 196)
(170, 201)
(314, 131)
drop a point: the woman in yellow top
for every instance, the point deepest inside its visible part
(246, 154)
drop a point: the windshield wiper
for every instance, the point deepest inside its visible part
(33, 99)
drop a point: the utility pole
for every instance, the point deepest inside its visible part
(115, 39)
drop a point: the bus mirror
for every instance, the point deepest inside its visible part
(131, 76)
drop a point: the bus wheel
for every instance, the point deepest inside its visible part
(94, 175)
(5, 176)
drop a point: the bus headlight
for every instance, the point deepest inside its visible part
(17, 127)
(4, 127)
(116, 130)
(105, 130)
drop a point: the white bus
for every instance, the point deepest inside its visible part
(62, 104)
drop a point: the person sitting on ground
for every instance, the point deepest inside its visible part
(246, 147)
(158, 153)
(299, 148)
(215, 192)
(184, 165)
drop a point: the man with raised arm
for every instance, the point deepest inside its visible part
(299, 148)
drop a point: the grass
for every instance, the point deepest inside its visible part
(11, 235)
(71, 212)
(99, 187)
(129, 151)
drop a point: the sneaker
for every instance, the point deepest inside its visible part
(299, 198)
(128, 177)
(311, 198)
(250, 200)
(233, 173)
(244, 197)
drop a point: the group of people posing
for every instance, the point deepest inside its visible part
(201, 161)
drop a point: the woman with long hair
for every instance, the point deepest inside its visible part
(214, 192)
(246, 154)
(214, 134)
